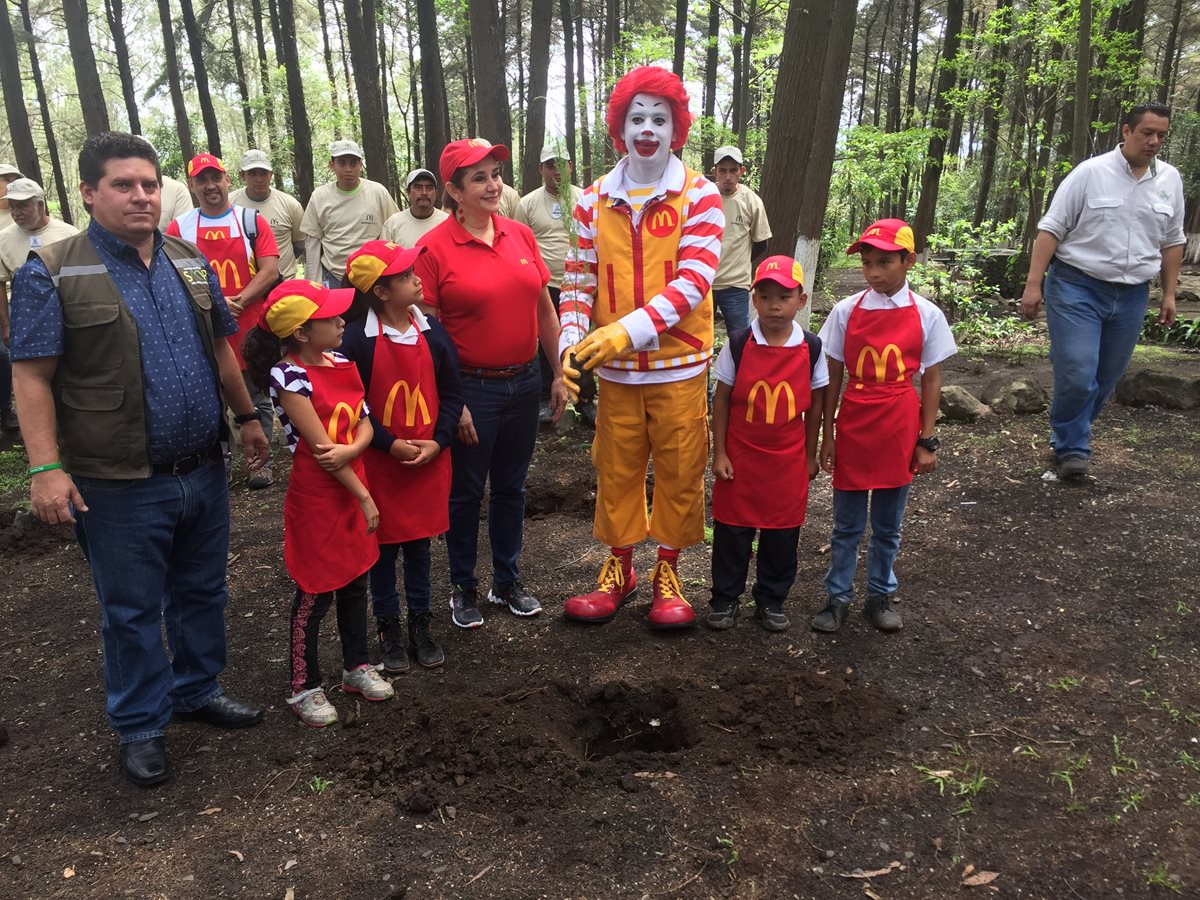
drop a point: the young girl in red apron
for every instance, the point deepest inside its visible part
(410, 369)
(766, 416)
(329, 516)
(880, 340)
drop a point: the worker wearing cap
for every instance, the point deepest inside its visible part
(282, 211)
(746, 234)
(342, 216)
(31, 229)
(542, 210)
(8, 173)
(422, 216)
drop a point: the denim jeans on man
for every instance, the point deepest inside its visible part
(1094, 326)
(850, 513)
(158, 549)
(734, 304)
(505, 413)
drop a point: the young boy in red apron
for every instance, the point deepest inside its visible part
(883, 336)
(410, 369)
(767, 410)
(328, 514)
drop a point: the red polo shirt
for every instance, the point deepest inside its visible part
(486, 297)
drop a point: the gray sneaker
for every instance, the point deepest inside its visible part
(518, 600)
(464, 607)
(723, 615)
(1073, 467)
(771, 618)
(878, 610)
(262, 478)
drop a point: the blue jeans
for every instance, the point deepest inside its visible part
(505, 412)
(385, 600)
(849, 522)
(1094, 326)
(734, 304)
(157, 549)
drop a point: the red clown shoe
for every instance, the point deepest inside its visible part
(668, 609)
(616, 587)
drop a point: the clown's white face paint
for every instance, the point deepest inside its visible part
(649, 130)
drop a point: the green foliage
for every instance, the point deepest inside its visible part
(1185, 332)
(1160, 877)
(14, 467)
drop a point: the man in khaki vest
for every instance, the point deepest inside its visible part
(119, 342)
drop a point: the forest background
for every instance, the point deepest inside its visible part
(959, 115)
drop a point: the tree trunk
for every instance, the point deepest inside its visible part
(240, 69)
(681, 22)
(1081, 103)
(327, 52)
(360, 28)
(993, 94)
(708, 129)
(803, 133)
(83, 61)
(913, 43)
(60, 183)
(302, 149)
(343, 45)
(522, 86)
(468, 74)
(568, 33)
(113, 11)
(927, 206)
(1164, 83)
(268, 95)
(385, 68)
(170, 53)
(433, 86)
(585, 140)
(19, 130)
(492, 107)
(200, 71)
(541, 12)
(414, 77)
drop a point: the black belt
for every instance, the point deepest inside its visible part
(186, 464)
(502, 374)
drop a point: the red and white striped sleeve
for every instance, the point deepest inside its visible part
(580, 274)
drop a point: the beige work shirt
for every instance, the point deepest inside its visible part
(543, 213)
(343, 221)
(745, 224)
(285, 215)
(16, 244)
(406, 229)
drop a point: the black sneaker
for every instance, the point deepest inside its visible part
(830, 619)
(771, 618)
(722, 615)
(518, 600)
(8, 420)
(878, 610)
(464, 607)
(391, 645)
(420, 639)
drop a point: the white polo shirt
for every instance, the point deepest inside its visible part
(938, 338)
(1113, 226)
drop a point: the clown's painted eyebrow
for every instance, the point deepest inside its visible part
(644, 103)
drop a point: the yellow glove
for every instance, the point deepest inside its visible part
(602, 346)
(571, 374)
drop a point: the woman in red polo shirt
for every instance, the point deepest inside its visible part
(485, 280)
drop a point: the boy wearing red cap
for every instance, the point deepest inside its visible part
(767, 412)
(649, 244)
(884, 336)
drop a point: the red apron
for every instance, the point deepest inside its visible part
(765, 440)
(413, 503)
(880, 417)
(325, 539)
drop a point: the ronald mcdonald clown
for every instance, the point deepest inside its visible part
(649, 242)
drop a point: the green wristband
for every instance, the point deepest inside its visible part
(48, 467)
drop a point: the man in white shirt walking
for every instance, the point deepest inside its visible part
(1115, 222)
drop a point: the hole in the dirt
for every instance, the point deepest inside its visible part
(621, 720)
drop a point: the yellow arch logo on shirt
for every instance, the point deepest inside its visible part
(353, 414)
(663, 221)
(414, 400)
(880, 360)
(771, 401)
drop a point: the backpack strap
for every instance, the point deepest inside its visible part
(814, 350)
(737, 345)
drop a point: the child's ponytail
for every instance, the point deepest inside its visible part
(261, 350)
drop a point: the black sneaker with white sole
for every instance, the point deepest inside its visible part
(518, 600)
(464, 607)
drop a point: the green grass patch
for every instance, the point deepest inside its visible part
(14, 469)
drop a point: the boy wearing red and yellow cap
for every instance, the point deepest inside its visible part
(767, 411)
(881, 338)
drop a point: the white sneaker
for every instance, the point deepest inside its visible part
(367, 681)
(313, 709)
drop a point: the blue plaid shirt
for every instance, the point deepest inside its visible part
(183, 399)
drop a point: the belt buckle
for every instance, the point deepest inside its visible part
(183, 466)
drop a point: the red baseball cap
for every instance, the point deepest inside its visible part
(294, 302)
(202, 162)
(467, 152)
(781, 269)
(376, 259)
(887, 234)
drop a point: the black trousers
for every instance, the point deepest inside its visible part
(731, 562)
(307, 612)
(587, 380)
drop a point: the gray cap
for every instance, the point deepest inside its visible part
(254, 159)
(6, 169)
(729, 152)
(550, 154)
(25, 189)
(419, 173)
(346, 148)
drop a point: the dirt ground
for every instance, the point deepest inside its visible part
(1035, 727)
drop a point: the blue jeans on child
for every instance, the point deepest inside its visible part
(1094, 326)
(157, 549)
(734, 304)
(849, 522)
(505, 413)
(385, 600)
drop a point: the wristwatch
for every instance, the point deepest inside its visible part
(930, 443)
(245, 418)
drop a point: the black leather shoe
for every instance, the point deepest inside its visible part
(224, 712)
(145, 762)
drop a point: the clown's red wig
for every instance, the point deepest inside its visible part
(648, 80)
